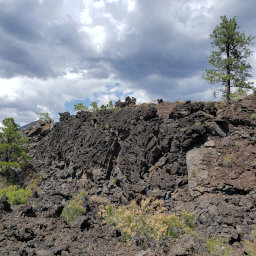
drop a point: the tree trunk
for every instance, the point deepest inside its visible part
(228, 88)
(228, 84)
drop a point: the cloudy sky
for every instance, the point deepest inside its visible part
(54, 53)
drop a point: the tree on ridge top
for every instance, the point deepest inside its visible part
(228, 61)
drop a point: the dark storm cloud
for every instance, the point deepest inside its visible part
(38, 40)
(158, 47)
(162, 46)
(163, 43)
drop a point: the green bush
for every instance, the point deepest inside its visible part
(148, 220)
(218, 247)
(94, 107)
(13, 146)
(74, 209)
(253, 116)
(16, 195)
(228, 160)
(238, 95)
(250, 246)
(183, 129)
(219, 104)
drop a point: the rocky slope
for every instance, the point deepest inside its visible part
(198, 159)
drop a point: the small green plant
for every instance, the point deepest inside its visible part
(16, 195)
(228, 160)
(238, 144)
(239, 110)
(219, 104)
(94, 107)
(238, 95)
(41, 177)
(194, 172)
(183, 129)
(189, 219)
(74, 209)
(44, 117)
(80, 107)
(218, 247)
(198, 123)
(148, 220)
(113, 180)
(250, 246)
(109, 106)
(2, 182)
(253, 116)
(208, 152)
(34, 184)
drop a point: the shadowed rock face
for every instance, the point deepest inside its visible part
(131, 154)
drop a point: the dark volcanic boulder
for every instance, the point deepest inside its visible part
(4, 205)
(183, 110)
(128, 102)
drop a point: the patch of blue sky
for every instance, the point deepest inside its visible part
(69, 105)
(113, 91)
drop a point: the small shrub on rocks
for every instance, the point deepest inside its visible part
(146, 221)
(250, 246)
(16, 195)
(238, 144)
(220, 104)
(253, 116)
(34, 184)
(94, 107)
(218, 247)
(74, 209)
(194, 172)
(183, 129)
(228, 160)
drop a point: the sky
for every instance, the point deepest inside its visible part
(54, 54)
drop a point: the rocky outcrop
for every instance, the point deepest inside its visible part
(197, 160)
(242, 112)
(128, 102)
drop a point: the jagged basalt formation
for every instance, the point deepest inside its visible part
(198, 159)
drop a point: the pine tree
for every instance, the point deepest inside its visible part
(12, 145)
(229, 58)
(80, 107)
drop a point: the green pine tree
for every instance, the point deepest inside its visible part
(228, 60)
(94, 107)
(80, 107)
(13, 146)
